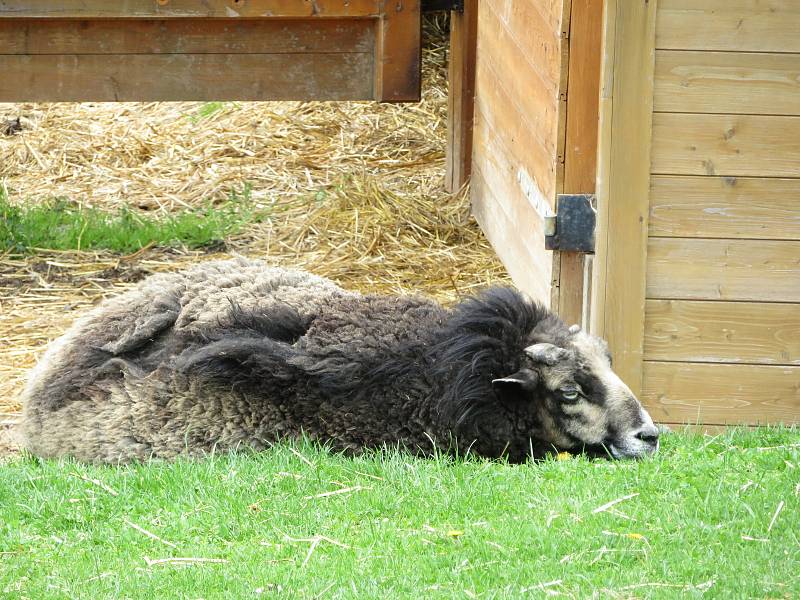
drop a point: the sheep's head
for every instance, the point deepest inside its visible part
(577, 402)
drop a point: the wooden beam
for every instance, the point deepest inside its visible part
(398, 47)
(580, 144)
(231, 9)
(186, 36)
(461, 94)
(156, 77)
(618, 294)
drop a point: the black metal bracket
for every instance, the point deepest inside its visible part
(572, 227)
(437, 5)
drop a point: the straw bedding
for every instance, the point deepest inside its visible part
(354, 192)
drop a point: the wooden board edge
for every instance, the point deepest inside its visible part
(398, 51)
(461, 95)
(624, 182)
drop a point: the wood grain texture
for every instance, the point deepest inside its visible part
(722, 394)
(725, 207)
(731, 25)
(81, 9)
(734, 332)
(702, 269)
(185, 36)
(533, 98)
(398, 50)
(580, 144)
(516, 229)
(727, 82)
(535, 31)
(618, 294)
(461, 94)
(156, 77)
(501, 113)
(515, 143)
(733, 145)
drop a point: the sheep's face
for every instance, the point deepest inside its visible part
(578, 402)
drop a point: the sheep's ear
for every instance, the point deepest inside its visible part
(517, 386)
(548, 354)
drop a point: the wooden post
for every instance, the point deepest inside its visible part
(580, 148)
(623, 184)
(461, 97)
(397, 52)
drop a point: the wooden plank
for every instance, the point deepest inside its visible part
(82, 9)
(461, 94)
(185, 36)
(727, 82)
(580, 144)
(736, 145)
(118, 78)
(701, 269)
(734, 332)
(534, 97)
(535, 28)
(618, 292)
(398, 52)
(511, 220)
(724, 394)
(501, 111)
(511, 239)
(739, 25)
(725, 207)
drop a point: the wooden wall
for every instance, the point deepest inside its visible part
(519, 125)
(722, 311)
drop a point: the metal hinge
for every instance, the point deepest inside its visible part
(572, 227)
(435, 5)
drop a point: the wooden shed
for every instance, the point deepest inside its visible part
(684, 117)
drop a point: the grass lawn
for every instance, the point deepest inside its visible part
(709, 516)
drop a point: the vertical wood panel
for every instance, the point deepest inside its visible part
(461, 94)
(580, 145)
(623, 183)
(515, 135)
(397, 52)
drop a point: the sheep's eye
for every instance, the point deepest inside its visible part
(570, 394)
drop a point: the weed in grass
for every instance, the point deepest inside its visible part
(701, 519)
(63, 225)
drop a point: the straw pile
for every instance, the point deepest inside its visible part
(354, 190)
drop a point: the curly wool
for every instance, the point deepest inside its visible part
(236, 353)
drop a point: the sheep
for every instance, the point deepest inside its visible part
(236, 354)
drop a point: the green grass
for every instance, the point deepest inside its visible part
(699, 519)
(63, 225)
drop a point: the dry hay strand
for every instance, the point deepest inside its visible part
(172, 155)
(353, 191)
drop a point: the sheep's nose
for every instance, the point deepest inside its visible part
(648, 434)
